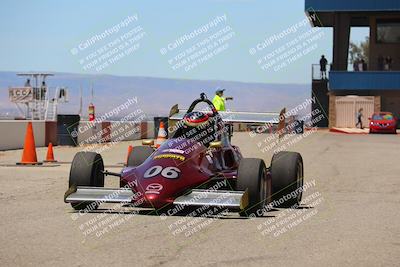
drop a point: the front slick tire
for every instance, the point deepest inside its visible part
(86, 170)
(252, 176)
(139, 155)
(287, 179)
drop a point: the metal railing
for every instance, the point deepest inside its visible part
(316, 71)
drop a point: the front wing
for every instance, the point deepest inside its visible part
(197, 197)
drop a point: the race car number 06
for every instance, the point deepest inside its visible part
(167, 172)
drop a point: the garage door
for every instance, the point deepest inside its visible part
(347, 108)
(392, 104)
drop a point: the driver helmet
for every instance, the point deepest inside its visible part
(197, 126)
(195, 119)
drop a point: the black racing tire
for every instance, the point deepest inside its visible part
(287, 173)
(86, 170)
(138, 155)
(252, 176)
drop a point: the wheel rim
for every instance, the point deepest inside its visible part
(299, 181)
(98, 168)
(263, 187)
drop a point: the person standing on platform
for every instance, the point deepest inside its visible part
(219, 100)
(322, 63)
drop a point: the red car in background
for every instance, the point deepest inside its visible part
(383, 122)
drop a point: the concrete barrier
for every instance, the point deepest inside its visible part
(113, 131)
(125, 131)
(105, 132)
(89, 133)
(13, 133)
(50, 133)
(147, 130)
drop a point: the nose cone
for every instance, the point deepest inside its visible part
(151, 197)
(154, 193)
(156, 200)
(172, 170)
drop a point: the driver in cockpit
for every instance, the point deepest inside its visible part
(198, 126)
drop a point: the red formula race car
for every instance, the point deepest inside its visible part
(197, 166)
(383, 122)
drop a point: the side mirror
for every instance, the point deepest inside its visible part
(148, 142)
(216, 144)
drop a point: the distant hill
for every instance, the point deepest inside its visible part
(157, 95)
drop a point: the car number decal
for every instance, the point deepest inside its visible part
(167, 172)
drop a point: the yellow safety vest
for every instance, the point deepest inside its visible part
(219, 103)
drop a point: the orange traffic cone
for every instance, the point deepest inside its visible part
(29, 155)
(130, 149)
(50, 154)
(162, 135)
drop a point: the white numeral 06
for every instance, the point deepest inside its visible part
(168, 172)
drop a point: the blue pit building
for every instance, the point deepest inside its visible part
(377, 87)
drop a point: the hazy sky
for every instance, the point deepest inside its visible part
(40, 35)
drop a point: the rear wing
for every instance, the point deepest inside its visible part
(177, 114)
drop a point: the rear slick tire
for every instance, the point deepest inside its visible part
(287, 173)
(252, 176)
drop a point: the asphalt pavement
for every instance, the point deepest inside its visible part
(349, 216)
